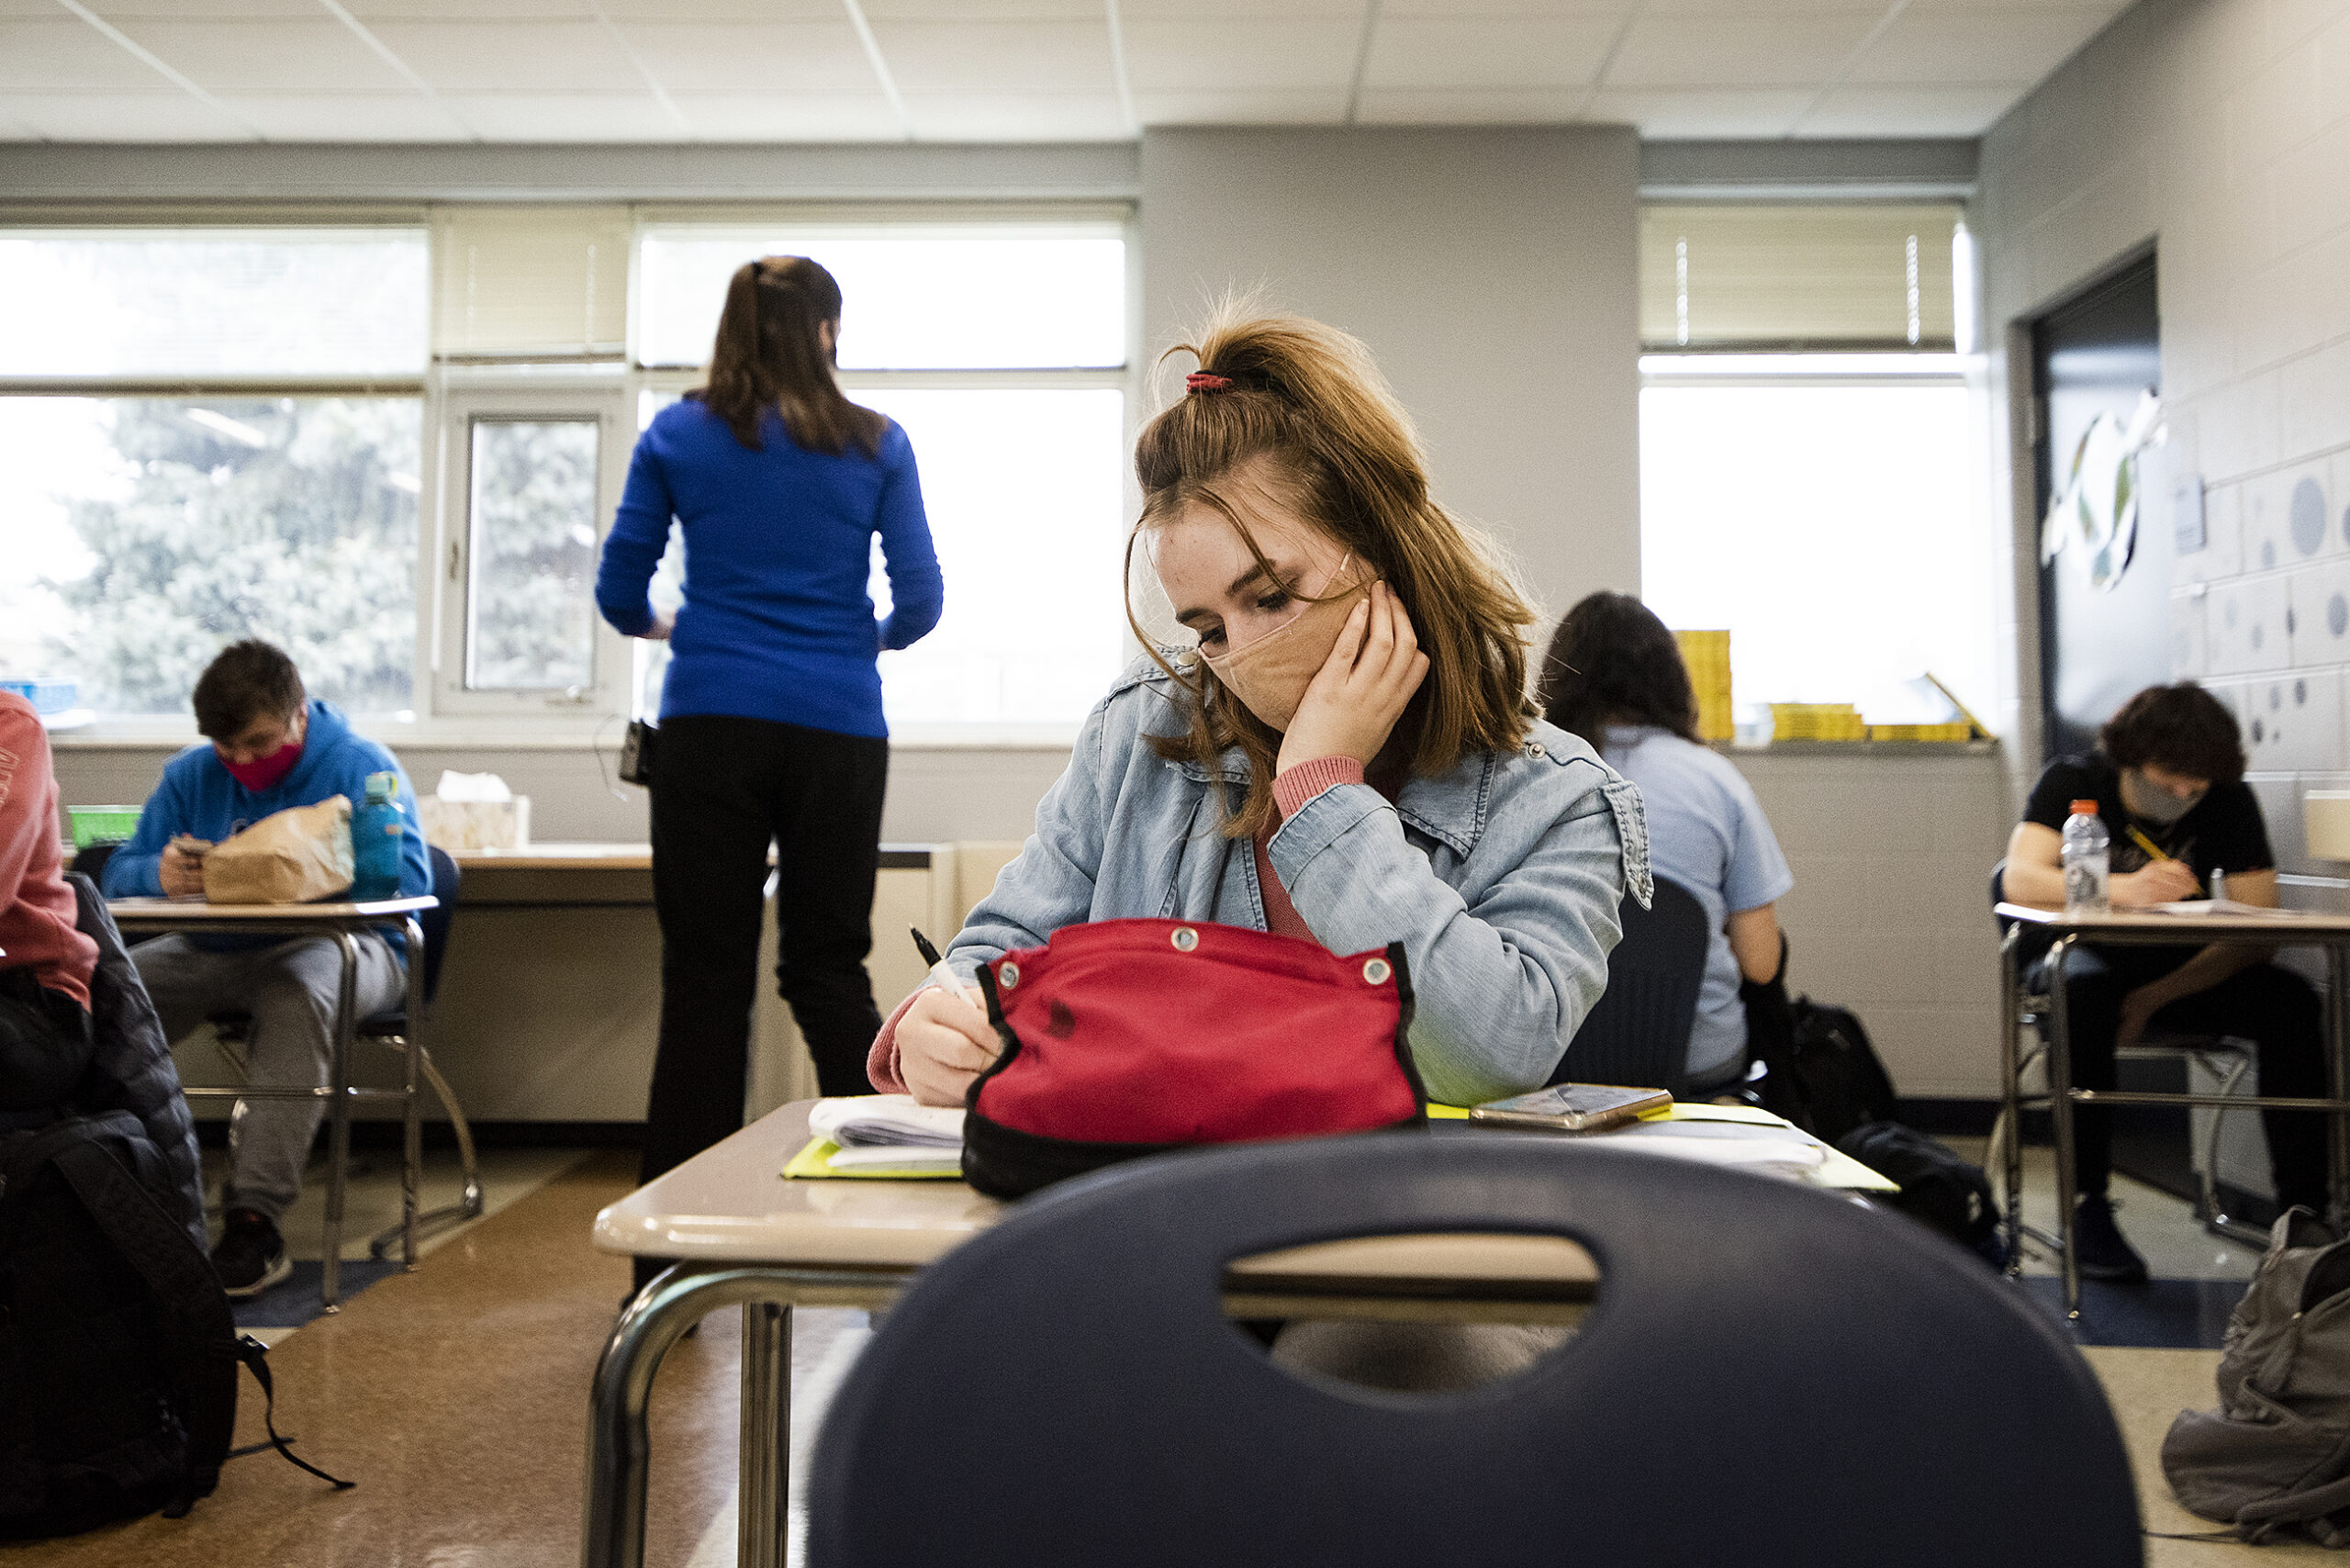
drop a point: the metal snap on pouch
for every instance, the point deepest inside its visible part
(1007, 975)
(1375, 971)
(1184, 938)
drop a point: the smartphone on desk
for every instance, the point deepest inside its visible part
(1572, 1107)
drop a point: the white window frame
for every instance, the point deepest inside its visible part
(519, 395)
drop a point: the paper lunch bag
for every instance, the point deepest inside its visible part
(297, 856)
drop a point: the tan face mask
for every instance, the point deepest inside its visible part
(1270, 676)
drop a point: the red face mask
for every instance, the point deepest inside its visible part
(263, 772)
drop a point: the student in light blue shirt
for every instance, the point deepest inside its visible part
(1614, 676)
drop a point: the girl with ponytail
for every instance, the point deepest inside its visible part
(1338, 745)
(771, 728)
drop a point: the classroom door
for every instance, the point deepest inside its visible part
(2097, 354)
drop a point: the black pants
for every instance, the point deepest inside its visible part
(2273, 1008)
(723, 789)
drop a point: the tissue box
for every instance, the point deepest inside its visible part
(459, 826)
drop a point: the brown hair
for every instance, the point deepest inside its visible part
(1612, 661)
(769, 355)
(2183, 728)
(1307, 419)
(246, 680)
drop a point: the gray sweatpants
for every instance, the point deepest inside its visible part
(289, 990)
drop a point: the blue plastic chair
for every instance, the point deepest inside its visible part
(1638, 1033)
(1770, 1375)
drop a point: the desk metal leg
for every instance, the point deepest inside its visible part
(766, 1457)
(2060, 1101)
(2337, 1081)
(412, 1109)
(619, 1452)
(2011, 1090)
(346, 1028)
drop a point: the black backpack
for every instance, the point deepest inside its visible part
(1820, 1072)
(1939, 1189)
(118, 1352)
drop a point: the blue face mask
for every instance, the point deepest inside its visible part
(2149, 800)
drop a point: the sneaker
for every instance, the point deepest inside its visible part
(2102, 1251)
(250, 1255)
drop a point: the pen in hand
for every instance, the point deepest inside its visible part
(940, 975)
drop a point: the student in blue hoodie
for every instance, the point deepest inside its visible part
(269, 747)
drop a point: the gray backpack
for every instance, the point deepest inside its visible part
(2274, 1460)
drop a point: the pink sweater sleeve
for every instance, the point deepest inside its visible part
(882, 1065)
(1298, 785)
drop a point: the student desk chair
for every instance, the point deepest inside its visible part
(1638, 1033)
(1771, 1375)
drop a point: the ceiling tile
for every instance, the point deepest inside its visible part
(1133, 11)
(999, 57)
(791, 116)
(1980, 46)
(1911, 111)
(745, 57)
(1239, 55)
(1016, 117)
(1735, 51)
(472, 10)
(566, 117)
(1475, 53)
(1500, 10)
(348, 116)
(97, 117)
(70, 56)
(1753, 10)
(281, 54)
(549, 57)
(1466, 105)
(1306, 106)
(718, 10)
(1699, 113)
(984, 10)
(178, 10)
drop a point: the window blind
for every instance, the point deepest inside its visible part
(530, 282)
(1756, 278)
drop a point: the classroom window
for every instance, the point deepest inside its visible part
(1829, 513)
(139, 534)
(531, 616)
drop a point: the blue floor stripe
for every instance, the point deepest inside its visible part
(294, 1301)
(2189, 1315)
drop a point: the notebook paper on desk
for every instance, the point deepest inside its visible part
(2200, 907)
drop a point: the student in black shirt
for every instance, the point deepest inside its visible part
(2170, 764)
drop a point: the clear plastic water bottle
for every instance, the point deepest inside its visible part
(376, 829)
(2087, 857)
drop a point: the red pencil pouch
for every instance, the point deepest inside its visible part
(1129, 1038)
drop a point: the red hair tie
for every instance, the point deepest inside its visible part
(1201, 381)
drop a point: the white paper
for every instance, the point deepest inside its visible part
(898, 1157)
(886, 1121)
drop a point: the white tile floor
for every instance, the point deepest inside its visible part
(372, 1202)
(2163, 1228)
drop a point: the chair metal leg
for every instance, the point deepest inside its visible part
(2011, 1101)
(2060, 1104)
(346, 1029)
(2207, 1208)
(469, 1206)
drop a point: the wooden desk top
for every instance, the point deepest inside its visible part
(732, 1203)
(2287, 926)
(559, 857)
(195, 912)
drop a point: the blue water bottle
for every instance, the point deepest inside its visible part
(376, 829)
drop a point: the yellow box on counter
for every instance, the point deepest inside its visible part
(1817, 722)
(1958, 730)
(1707, 653)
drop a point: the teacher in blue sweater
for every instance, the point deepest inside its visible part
(771, 726)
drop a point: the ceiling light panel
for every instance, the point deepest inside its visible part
(1237, 55)
(998, 56)
(280, 54)
(69, 56)
(1736, 51)
(745, 56)
(555, 57)
(1476, 52)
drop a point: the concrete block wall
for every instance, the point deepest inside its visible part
(2219, 132)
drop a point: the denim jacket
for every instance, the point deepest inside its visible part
(1502, 878)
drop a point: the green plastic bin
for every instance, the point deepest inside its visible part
(102, 824)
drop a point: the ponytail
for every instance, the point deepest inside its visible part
(1299, 410)
(770, 355)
